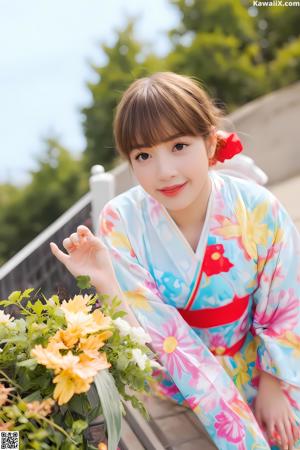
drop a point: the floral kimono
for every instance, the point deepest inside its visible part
(218, 314)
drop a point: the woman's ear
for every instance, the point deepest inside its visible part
(211, 143)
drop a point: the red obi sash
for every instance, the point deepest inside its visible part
(213, 317)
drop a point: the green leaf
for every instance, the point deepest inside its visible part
(122, 362)
(26, 294)
(5, 302)
(111, 406)
(32, 397)
(14, 339)
(78, 426)
(38, 307)
(79, 404)
(29, 363)
(14, 296)
(119, 314)
(83, 282)
(68, 419)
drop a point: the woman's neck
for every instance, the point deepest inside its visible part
(194, 215)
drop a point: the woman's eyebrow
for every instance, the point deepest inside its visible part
(168, 139)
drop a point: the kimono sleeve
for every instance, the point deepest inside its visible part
(277, 299)
(201, 380)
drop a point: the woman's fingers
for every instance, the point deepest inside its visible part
(83, 231)
(289, 432)
(68, 245)
(61, 256)
(72, 242)
(270, 429)
(283, 437)
(294, 428)
(74, 239)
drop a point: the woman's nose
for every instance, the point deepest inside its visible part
(166, 168)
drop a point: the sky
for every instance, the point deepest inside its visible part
(46, 48)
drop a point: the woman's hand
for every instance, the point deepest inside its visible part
(87, 255)
(274, 414)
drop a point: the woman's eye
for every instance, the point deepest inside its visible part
(180, 146)
(140, 154)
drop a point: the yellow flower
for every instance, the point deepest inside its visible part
(64, 339)
(78, 304)
(248, 227)
(81, 324)
(93, 343)
(101, 322)
(68, 384)
(77, 378)
(88, 367)
(102, 446)
(54, 360)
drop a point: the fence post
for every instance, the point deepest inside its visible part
(102, 188)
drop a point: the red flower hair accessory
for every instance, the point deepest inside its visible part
(228, 145)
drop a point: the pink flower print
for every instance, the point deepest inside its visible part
(216, 341)
(152, 286)
(208, 402)
(155, 209)
(193, 402)
(280, 313)
(176, 348)
(228, 425)
(106, 225)
(109, 211)
(169, 390)
(288, 390)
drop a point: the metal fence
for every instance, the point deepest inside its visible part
(35, 266)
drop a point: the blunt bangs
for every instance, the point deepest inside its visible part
(160, 108)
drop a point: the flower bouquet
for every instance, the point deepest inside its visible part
(62, 364)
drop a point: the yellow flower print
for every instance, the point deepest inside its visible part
(291, 340)
(138, 299)
(120, 240)
(249, 227)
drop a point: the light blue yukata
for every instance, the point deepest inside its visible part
(218, 314)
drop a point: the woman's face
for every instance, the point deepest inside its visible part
(180, 160)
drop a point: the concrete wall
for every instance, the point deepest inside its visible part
(269, 128)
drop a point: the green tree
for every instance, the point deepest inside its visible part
(286, 65)
(226, 72)
(57, 183)
(126, 61)
(239, 52)
(228, 17)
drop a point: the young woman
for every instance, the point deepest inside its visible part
(207, 263)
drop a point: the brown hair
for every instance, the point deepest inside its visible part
(160, 107)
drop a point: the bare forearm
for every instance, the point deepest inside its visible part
(112, 288)
(267, 379)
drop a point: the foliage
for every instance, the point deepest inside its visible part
(62, 365)
(125, 63)
(57, 183)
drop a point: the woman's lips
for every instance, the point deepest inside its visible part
(172, 192)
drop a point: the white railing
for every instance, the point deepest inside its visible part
(34, 265)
